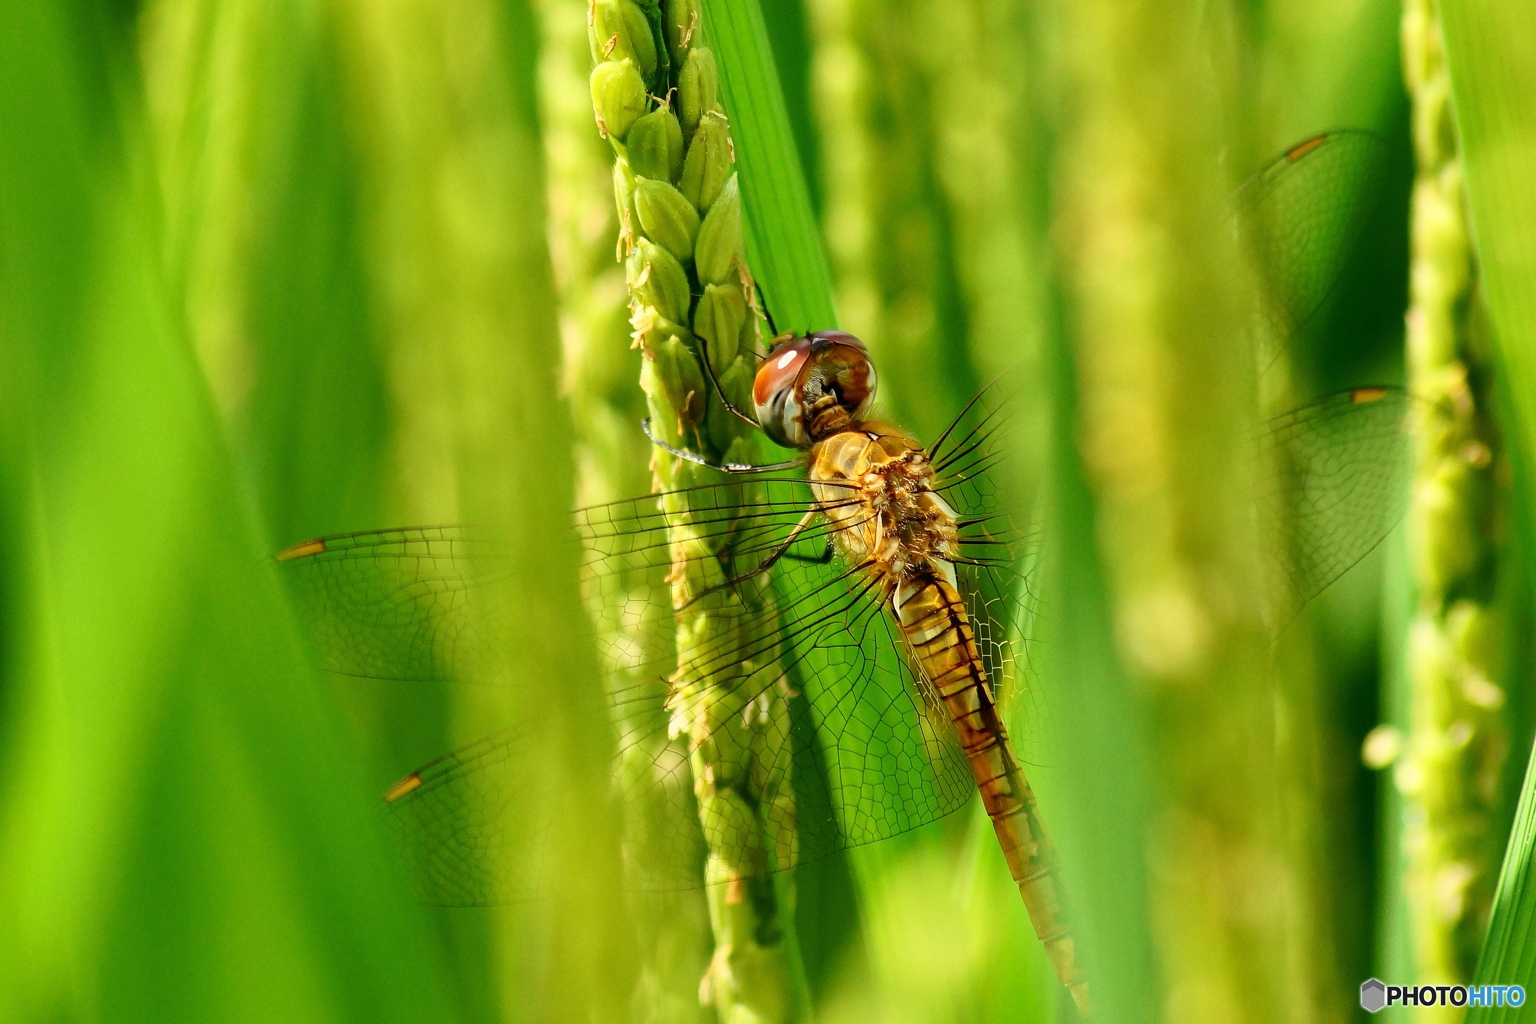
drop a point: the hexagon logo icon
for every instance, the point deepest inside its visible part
(1373, 995)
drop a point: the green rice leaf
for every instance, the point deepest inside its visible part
(184, 835)
(783, 243)
(1491, 50)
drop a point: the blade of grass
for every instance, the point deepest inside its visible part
(1491, 50)
(889, 81)
(262, 191)
(783, 243)
(1491, 53)
(790, 36)
(1102, 853)
(1456, 740)
(1165, 404)
(182, 831)
(454, 178)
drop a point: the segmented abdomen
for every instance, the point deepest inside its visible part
(938, 632)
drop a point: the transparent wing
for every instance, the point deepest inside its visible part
(1340, 483)
(800, 673)
(794, 674)
(1338, 468)
(393, 604)
(1000, 544)
(460, 851)
(1302, 214)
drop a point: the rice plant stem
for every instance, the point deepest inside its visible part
(1450, 770)
(657, 99)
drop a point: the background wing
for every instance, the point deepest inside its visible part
(1339, 484)
(1336, 470)
(1302, 215)
(392, 604)
(455, 818)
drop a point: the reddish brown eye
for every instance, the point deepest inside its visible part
(780, 369)
(776, 392)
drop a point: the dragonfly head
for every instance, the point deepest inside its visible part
(812, 386)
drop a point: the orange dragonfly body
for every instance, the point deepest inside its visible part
(905, 537)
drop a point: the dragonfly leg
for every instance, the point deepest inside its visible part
(779, 552)
(724, 467)
(709, 371)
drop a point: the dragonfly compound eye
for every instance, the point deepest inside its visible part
(812, 386)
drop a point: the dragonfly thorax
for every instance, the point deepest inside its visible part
(877, 486)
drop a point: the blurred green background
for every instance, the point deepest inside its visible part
(275, 269)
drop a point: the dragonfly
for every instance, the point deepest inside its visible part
(887, 585)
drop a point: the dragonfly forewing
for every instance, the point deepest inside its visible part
(1302, 216)
(1338, 484)
(395, 604)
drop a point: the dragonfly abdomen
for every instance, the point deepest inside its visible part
(875, 484)
(937, 629)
